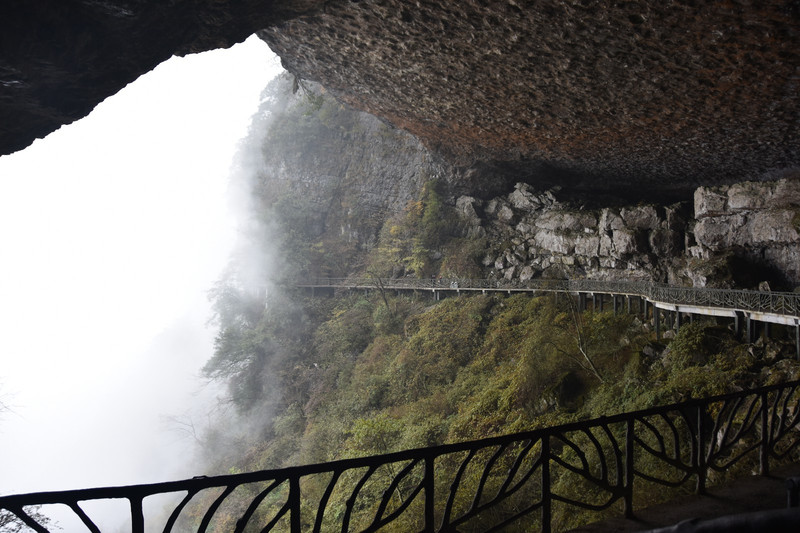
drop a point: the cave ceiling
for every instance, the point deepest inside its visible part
(649, 96)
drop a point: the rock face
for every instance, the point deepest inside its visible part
(343, 171)
(756, 223)
(661, 95)
(554, 239)
(339, 175)
(58, 60)
(736, 236)
(650, 98)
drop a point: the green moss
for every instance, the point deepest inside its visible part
(796, 220)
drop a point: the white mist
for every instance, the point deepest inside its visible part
(112, 230)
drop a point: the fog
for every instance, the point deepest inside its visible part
(113, 229)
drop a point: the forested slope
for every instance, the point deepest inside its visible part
(314, 379)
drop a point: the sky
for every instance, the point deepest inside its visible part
(112, 230)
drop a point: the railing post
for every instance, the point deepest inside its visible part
(763, 462)
(737, 324)
(656, 317)
(797, 340)
(547, 501)
(701, 449)
(629, 467)
(137, 515)
(430, 502)
(295, 524)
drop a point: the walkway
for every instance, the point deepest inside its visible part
(744, 495)
(747, 309)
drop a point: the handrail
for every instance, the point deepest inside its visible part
(779, 303)
(487, 484)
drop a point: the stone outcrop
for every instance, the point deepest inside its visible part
(58, 60)
(756, 223)
(648, 98)
(553, 239)
(736, 235)
(339, 175)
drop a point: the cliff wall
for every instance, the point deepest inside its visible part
(329, 173)
(345, 174)
(730, 236)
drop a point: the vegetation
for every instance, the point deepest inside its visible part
(371, 381)
(319, 379)
(9, 523)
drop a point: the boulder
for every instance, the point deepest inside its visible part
(526, 273)
(523, 198)
(505, 214)
(624, 243)
(465, 205)
(709, 201)
(610, 220)
(554, 241)
(640, 217)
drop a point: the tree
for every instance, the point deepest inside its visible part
(11, 523)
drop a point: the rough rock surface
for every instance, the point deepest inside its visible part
(59, 59)
(343, 170)
(599, 94)
(738, 236)
(758, 223)
(646, 97)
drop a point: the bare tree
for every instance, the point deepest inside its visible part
(580, 338)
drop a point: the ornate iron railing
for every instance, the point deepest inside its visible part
(533, 479)
(779, 303)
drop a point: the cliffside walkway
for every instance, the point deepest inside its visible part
(663, 303)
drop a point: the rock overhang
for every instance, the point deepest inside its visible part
(641, 98)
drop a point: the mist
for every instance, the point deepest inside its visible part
(113, 231)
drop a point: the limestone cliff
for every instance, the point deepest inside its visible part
(344, 173)
(731, 236)
(330, 172)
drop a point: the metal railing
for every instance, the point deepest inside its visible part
(779, 303)
(534, 480)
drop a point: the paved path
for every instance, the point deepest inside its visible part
(749, 494)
